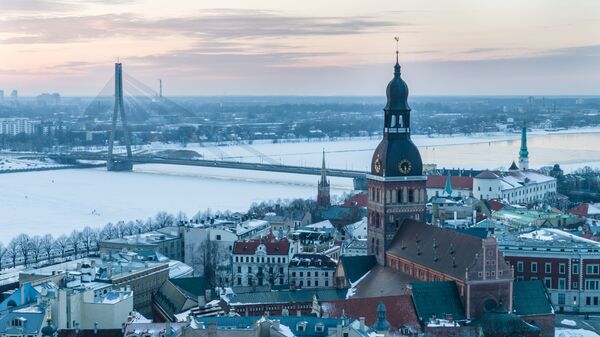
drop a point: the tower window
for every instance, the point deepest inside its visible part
(411, 195)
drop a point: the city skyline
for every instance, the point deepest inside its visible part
(282, 48)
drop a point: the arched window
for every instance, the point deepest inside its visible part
(411, 195)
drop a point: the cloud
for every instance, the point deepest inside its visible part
(211, 24)
(34, 5)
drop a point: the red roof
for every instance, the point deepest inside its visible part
(400, 310)
(495, 205)
(273, 246)
(457, 182)
(581, 210)
(356, 201)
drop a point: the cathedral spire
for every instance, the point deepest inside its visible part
(323, 197)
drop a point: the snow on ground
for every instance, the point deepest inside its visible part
(9, 162)
(59, 201)
(561, 332)
(568, 322)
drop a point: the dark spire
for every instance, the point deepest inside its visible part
(323, 181)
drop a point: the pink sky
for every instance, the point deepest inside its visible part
(331, 47)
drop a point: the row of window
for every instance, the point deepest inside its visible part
(260, 259)
(316, 273)
(590, 269)
(260, 270)
(300, 283)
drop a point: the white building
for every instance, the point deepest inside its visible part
(262, 262)
(514, 186)
(311, 271)
(17, 126)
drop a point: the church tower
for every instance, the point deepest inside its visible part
(396, 185)
(323, 198)
(524, 153)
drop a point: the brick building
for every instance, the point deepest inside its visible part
(568, 265)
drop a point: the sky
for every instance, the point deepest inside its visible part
(308, 47)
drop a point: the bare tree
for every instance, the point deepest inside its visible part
(75, 240)
(87, 237)
(13, 251)
(62, 243)
(3, 251)
(23, 242)
(35, 247)
(47, 244)
(163, 219)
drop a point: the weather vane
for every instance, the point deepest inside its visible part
(397, 40)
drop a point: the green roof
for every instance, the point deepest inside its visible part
(356, 267)
(437, 298)
(530, 298)
(288, 296)
(194, 286)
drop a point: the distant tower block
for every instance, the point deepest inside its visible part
(159, 88)
(113, 164)
(323, 193)
(524, 153)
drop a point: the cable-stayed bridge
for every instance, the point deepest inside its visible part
(142, 96)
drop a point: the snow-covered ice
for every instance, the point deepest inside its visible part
(561, 332)
(568, 322)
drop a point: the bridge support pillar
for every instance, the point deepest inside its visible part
(118, 165)
(360, 183)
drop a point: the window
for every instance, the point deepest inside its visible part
(219, 237)
(592, 284)
(520, 266)
(249, 269)
(592, 269)
(561, 268)
(319, 327)
(326, 283)
(575, 285)
(548, 282)
(595, 300)
(561, 299)
(575, 269)
(534, 267)
(239, 281)
(548, 267)
(561, 283)
(239, 269)
(588, 300)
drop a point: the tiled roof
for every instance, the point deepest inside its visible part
(312, 260)
(585, 210)
(499, 322)
(400, 310)
(382, 281)
(486, 175)
(437, 298)
(90, 333)
(357, 266)
(356, 201)
(530, 298)
(195, 286)
(273, 246)
(494, 205)
(457, 182)
(454, 252)
(287, 296)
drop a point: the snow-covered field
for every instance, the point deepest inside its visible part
(9, 162)
(562, 332)
(59, 201)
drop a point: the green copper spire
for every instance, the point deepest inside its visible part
(524, 153)
(448, 187)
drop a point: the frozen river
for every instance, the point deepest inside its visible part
(60, 201)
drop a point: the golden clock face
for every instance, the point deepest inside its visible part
(378, 165)
(404, 166)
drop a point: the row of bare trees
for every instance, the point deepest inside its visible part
(30, 250)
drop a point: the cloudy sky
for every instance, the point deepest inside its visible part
(308, 47)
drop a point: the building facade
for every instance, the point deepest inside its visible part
(262, 262)
(568, 265)
(311, 271)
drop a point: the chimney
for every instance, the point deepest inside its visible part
(23, 294)
(95, 328)
(201, 301)
(362, 324)
(207, 296)
(212, 329)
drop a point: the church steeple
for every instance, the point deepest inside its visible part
(323, 197)
(524, 153)
(397, 186)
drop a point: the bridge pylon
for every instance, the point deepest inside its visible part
(113, 164)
